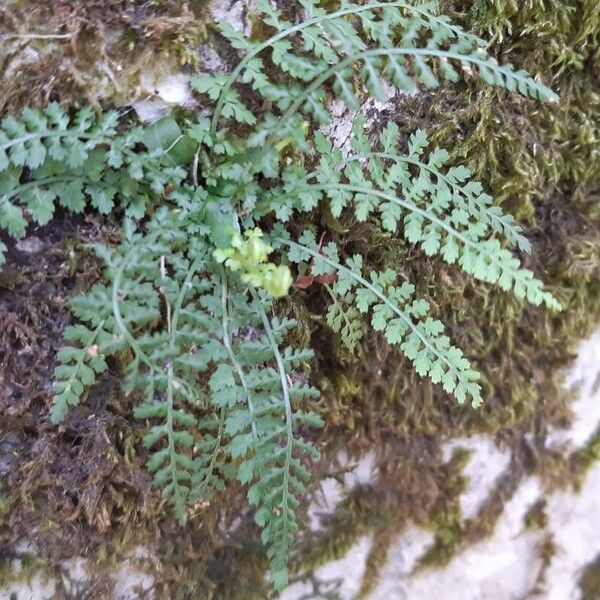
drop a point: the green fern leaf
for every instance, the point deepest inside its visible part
(77, 370)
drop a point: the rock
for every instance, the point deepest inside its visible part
(162, 91)
(30, 245)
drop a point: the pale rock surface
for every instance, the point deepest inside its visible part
(30, 245)
(130, 580)
(331, 490)
(234, 12)
(37, 588)
(75, 575)
(503, 567)
(575, 528)
(487, 463)
(344, 575)
(584, 379)
(507, 565)
(159, 92)
(403, 557)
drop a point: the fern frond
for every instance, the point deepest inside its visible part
(439, 212)
(345, 319)
(171, 441)
(257, 384)
(211, 469)
(77, 369)
(190, 294)
(181, 316)
(161, 367)
(451, 186)
(92, 341)
(402, 319)
(280, 475)
(164, 366)
(396, 41)
(75, 162)
(28, 141)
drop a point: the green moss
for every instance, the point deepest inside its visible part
(589, 583)
(446, 518)
(376, 560)
(536, 517)
(100, 53)
(542, 164)
(357, 515)
(23, 569)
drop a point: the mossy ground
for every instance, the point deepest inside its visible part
(93, 51)
(81, 489)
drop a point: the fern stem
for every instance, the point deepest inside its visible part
(169, 425)
(149, 163)
(170, 432)
(78, 365)
(395, 200)
(339, 305)
(46, 133)
(198, 491)
(23, 187)
(286, 399)
(232, 357)
(315, 21)
(185, 288)
(116, 288)
(362, 281)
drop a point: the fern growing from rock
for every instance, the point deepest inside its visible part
(190, 293)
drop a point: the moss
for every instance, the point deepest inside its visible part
(22, 569)
(74, 52)
(581, 461)
(546, 552)
(356, 516)
(573, 468)
(589, 582)
(446, 518)
(536, 517)
(376, 560)
(540, 162)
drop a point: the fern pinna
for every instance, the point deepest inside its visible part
(190, 293)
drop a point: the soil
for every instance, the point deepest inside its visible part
(79, 474)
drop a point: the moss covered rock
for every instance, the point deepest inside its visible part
(81, 490)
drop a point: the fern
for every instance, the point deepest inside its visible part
(190, 292)
(263, 420)
(402, 42)
(48, 158)
(442, 211)
(78, 369)
(238, 409)
(395, 312)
